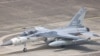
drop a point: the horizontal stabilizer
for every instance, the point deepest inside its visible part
(89, 34)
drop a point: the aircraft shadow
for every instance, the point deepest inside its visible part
(93, 43)
(42, 47)
(80, 47)
(76, 47)
(58, 49)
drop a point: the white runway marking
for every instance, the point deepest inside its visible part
(9, 35)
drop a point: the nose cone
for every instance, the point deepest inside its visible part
(7, 43)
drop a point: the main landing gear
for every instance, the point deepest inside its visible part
(89, 38)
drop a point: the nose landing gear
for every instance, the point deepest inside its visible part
(25, 49)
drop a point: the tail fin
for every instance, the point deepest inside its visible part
(77, 20)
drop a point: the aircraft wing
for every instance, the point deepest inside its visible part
(58, 34)
(69, 36)
(90, 34)
(62, 35)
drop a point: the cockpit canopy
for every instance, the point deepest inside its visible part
(29, 32)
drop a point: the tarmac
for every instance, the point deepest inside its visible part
(18, 14)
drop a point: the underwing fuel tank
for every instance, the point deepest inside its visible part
(59, 43)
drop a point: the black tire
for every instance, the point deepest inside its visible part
(45, 40)
(25, 50)
(63, 46)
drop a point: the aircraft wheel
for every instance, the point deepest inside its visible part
(25, 50)
(63, 46)
(89, 38)
(45, 39)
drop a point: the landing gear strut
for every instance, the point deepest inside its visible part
(25, 49)
(45, 39)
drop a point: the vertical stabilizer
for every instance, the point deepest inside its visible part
(77, 20)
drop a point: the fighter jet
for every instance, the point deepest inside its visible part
(63, 36)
